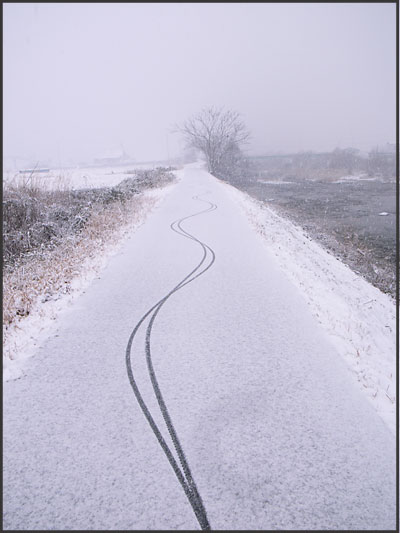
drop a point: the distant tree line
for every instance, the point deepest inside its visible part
(349, 160)
(219, 136)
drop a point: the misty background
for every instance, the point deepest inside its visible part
(83, 80)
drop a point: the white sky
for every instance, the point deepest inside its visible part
(80, 79)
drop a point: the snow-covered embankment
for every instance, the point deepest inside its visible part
(23, 337)
(358, 318)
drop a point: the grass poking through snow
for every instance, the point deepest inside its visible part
(49, 235)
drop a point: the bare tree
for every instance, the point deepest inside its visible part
(346, 158)
(218, 134)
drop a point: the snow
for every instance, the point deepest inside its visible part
(357, 317)
(355, 177)
(79, 177)
(275, 182)
(276, 434)
(27, 334)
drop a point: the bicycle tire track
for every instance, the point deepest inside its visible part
(183, 473)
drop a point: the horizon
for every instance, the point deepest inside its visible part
(105, 75)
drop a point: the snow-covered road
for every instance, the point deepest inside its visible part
(274, 431)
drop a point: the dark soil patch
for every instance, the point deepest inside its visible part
(344, 217)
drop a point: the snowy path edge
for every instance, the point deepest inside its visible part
(357, 317)
(29, 333)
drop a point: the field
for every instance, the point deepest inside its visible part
(75, 177)
(352, 216)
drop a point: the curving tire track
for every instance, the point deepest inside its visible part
(181, 470)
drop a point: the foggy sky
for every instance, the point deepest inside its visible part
(81, 79)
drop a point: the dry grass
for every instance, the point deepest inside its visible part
(38, 182)
(43, 269)
(44, 275)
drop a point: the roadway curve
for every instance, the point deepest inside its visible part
(269, 431)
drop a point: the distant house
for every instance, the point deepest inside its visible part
(113, 157)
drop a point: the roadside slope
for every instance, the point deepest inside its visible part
(358, 318)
